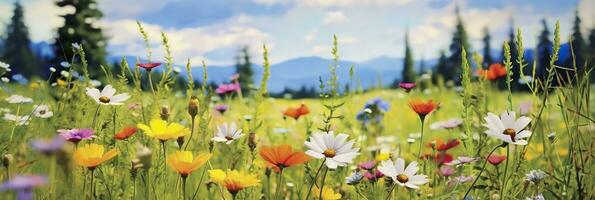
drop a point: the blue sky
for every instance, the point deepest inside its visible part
(213, 30)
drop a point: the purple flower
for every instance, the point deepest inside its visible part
(407, 86)
(228, 88)
(75, 135)
(367, 165)
(46, 146)
(373, 176)
(448, 124)
(458, 180)
(446, 171)
(24, 185)
(462, 160)
(525, 107)
(221, 108)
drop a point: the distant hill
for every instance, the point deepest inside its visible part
(305, 71)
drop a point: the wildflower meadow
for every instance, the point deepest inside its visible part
(138, 134)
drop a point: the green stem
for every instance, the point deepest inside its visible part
(322, 182)
(505, 173)
(421, 139)
(391, 191)
(279, 184)
(315, 178)
(92, 184)
(480, 172)
(191, 133)
(184, 187)
(151, 82)
(199, 183)
(16, 122)
(95, 116)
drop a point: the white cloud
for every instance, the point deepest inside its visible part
(328, 3)
(42, 17)
(185, 43)
(321, 50)
(310, 36)
(347, 40)
(335, 18)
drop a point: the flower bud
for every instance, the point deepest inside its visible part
(180, 141)
(164, 113)
(193, 106)
(252, 141)
(7, 160)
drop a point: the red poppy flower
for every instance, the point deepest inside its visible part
(438, 158)
(282, 156)
(125, 133)
(148, 66)
(496, 159)
(494, 72)
(423, 108)
(439, 145)
(296, 113)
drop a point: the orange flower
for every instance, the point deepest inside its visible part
(125, 133)
(423, 108)
(296, 113)
(282, 156)
(494, 72)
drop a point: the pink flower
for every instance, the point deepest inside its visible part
(407, 86)
(458, 180)
(462, 160)
(148, 66)
(446, 171)
(367, 165)
(228, 88)
(525, 107)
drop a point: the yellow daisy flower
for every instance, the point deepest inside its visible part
(327, 193)
(184, 163)
(233, 180)
(163, 131)
(92, 155)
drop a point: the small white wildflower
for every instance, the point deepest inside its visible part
(52, 69)
(227, 133)
(4, 79)
(410, 140)
(76, 46)
(177, 70)
(535, 176)
(5, 66)
(65, 74)
(95, 83)
(15, 98)
(65, 64)
(20, 120)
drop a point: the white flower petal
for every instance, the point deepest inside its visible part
(400, 166)
(521, 123)
(314, 154)
(411, 169)
(331, 164)
(523, 134)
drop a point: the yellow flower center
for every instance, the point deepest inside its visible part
(104, 99)
(510, 132)
(329, 153)
(402, 178)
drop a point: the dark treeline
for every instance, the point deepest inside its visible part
(80, 28)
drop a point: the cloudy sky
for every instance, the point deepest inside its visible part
(213, 30)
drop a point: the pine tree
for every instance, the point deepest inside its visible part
(408, 73)
(514, 52)
(80, 27)
(16, 49)
(244, 69)
(487, 48)
(422, 66)
(459, 41)
(579, 46)
(441, 67)
(544, 51)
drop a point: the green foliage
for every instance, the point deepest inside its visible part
(244, 69)
(408, 74)
(487, 48)
(77, 29)
(15, 50)
(459, 42)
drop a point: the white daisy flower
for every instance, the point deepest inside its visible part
(42, 111)
(4, 79)
(334, 148)
(107, 96)
(20, 120)
(76, 46)
(15, 98)
(65, 74)
(5, 66)
(508, 128)
(401, 175)
(227, 133)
